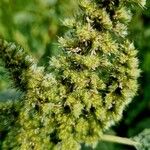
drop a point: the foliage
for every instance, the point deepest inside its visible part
(38, 20)
(144, 139)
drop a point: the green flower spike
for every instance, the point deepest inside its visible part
(86, 89)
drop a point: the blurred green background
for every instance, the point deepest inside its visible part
(36, 26)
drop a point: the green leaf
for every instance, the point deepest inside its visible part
(143, 139)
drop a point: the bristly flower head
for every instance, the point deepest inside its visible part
(87, 87)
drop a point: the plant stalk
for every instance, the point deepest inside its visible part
(120, 140)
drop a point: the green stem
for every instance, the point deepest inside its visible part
(120, 140)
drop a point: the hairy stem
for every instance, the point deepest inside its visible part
(120, 140)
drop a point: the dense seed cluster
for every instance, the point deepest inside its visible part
(86, 88)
